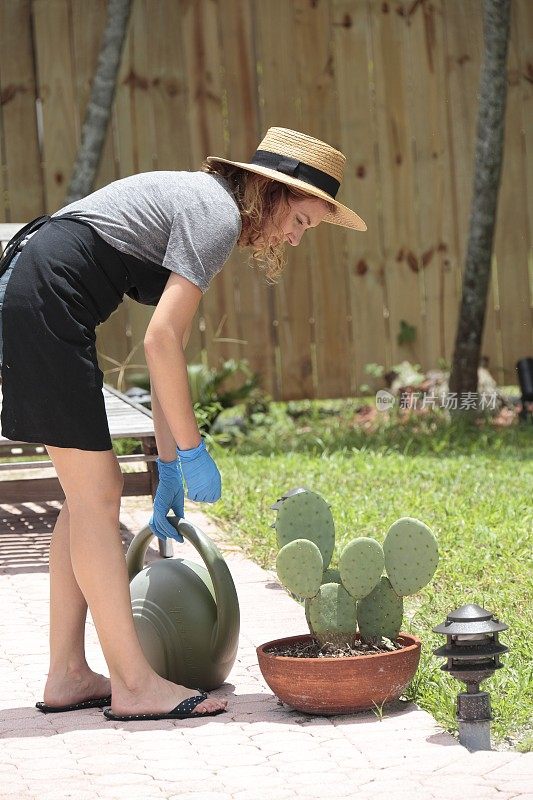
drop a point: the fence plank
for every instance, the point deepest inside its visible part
(200, 40)
(218, 309)
(366, 337)
(524, 29)
(200, 43)
(23, 174)
(143, 120)
(134, 113)
(463, 30)
(389, 34)
(436, 253)
(464, 46)
(323, 248)
(88, 23)
(168, 89)
(134, 141)
(129, 84)
(290, 301)
(56, 89)
(168, 92)
(251, 293)
(511, 244)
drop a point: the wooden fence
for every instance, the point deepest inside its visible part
(392, 84)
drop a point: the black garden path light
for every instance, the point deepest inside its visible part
(472, 651)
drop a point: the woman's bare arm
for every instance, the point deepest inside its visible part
(164, 344)
(166, 445)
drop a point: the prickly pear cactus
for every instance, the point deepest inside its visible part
(361, 565)
(331, 576)
(380, 613)
(305, 515)
(411, 555)
(357, 594)
(332, 614)
(299, 567)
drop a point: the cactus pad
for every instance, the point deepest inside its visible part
(275, 506)
(299, 567)
(306, 515)
(380, 613)
(332, 615)
(361, 566)
(411, 555)
(331, 576)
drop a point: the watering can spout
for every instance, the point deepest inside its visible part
(225, 633)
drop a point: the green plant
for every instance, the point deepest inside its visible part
(407, 334)
(211, 394)
(526, 745)
(361, 597)
(206, 414)
(378, 710)
(207, 384)
(376, 370)
(403, 374)
(407, 374)
(125, 446)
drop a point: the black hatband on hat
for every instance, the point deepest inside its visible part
(297, 169)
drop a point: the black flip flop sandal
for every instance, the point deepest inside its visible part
(95, 702)
(183, 710)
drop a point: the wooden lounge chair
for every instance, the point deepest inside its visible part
(126, 419)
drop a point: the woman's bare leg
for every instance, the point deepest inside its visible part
(70, 680)
(92, 483)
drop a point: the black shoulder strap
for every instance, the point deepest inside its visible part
(12, 245)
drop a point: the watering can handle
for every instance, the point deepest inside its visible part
(227, 626)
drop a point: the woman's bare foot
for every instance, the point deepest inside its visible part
(75, 686)
(158, 696)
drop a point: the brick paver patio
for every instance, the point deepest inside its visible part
(258, 749)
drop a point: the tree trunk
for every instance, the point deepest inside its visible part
(101, 100)
(487, 170)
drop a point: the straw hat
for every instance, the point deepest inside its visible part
(303, 162)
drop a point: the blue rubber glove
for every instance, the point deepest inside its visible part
(169, 495)
(201, 474)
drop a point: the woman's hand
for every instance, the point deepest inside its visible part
(169, 495)
(201, 474)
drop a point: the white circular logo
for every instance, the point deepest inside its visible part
(384, 400)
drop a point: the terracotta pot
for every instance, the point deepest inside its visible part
(338, 685)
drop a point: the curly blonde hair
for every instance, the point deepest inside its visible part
(261, 201)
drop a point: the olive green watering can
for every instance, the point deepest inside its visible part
(186, 616)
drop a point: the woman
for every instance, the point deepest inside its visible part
(160, 238)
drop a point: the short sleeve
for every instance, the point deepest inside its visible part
(201, 239)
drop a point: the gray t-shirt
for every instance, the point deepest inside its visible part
(188, 222)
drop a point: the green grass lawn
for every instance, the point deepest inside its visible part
(474, 488)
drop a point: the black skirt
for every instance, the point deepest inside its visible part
(66, 281)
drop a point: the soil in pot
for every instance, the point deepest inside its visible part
(313, 649)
